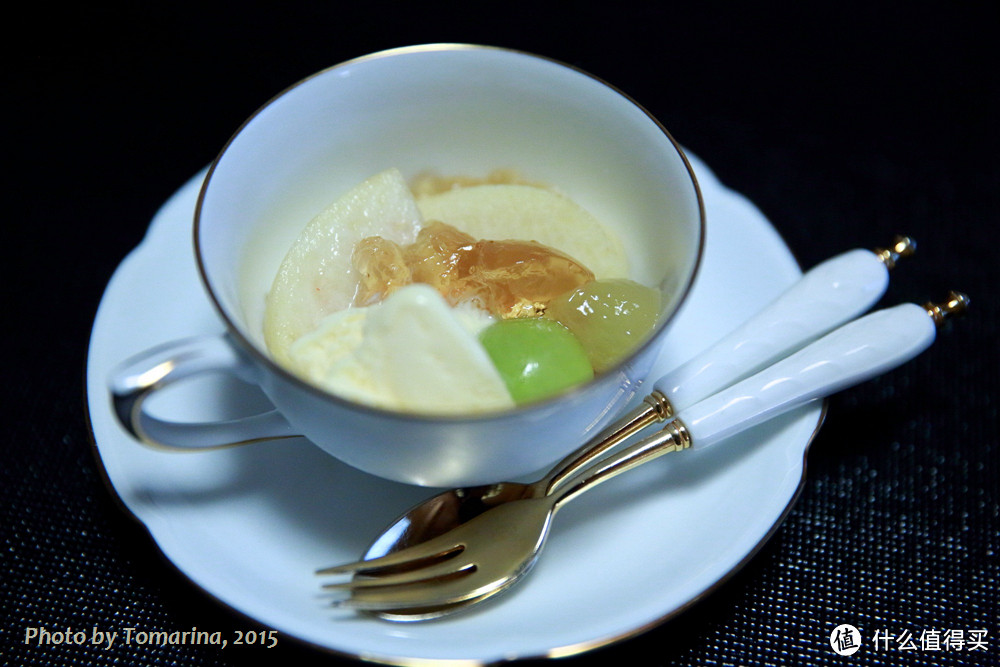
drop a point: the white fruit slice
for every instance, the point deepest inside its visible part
(529, 213)
(316, 277)
(412, 352)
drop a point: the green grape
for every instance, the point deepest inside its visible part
(536, 357)
(609, 317)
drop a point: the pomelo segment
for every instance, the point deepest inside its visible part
(316, 277)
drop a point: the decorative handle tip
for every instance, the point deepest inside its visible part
(902, 247)
(956, 304)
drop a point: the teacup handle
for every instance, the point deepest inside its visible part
(138, 378)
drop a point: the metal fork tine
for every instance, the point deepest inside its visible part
(429, 575)
(414, 596)
(417, 556)
(474, 560)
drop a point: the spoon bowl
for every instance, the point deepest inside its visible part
(445, 512)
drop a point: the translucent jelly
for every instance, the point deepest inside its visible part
(439, 257)
(508, 278)
(381, 268)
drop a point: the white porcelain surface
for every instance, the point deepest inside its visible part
(250, 525)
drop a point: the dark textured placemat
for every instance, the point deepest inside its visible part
(845, 124)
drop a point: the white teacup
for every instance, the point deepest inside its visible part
(455, 109)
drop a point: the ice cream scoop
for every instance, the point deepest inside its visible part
(412, 352)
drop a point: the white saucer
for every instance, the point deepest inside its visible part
(251, 525)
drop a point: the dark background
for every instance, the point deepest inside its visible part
(846, 123)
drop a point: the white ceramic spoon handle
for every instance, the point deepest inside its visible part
(828, 295)
(852, 354)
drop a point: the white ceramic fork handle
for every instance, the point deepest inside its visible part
(829, 294)
(852, 354)
(137, 379)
